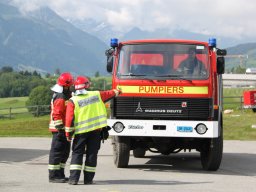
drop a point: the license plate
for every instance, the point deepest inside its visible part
(184, 129)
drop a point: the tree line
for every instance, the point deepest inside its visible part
(19, 84)
(36, 87)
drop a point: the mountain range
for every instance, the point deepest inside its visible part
(42, 40)
(105, 32)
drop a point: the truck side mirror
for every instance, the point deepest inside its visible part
(221, 52)
(220, 65)
(110, 59)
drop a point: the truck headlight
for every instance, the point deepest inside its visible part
(118, 127)
(201, 128)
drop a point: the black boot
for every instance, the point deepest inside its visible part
(88, 182)
(57, 180)
(72, 182)
(54, 177)
(74, 177)
(62, 174)
(88, 177)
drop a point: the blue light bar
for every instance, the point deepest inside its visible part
(113, 42)
(212, 42)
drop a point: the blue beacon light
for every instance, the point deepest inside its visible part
(114, 42)
(212, 42)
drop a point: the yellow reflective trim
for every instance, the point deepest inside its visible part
(53, 167)
(52, 125)
(89, 169)
(75, 167)
(69, 129)
(173, 90)
(58, 122)
(62, 165)
(91, 127)
(90, 120)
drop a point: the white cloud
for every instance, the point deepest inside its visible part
(233, 18)
(120, 19)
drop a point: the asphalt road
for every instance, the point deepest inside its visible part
(23, 167)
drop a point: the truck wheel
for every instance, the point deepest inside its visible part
(121, 150)
(139, 152)
(211, 154)
(254, 110)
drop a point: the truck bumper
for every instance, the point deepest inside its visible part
(163, 128)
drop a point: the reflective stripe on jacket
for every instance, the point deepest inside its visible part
(58, 111)
(90, 112)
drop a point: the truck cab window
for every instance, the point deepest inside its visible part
(163, 60)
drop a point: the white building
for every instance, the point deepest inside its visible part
(239, 80)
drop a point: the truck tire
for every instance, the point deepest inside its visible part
(139, 152)
(121, 150)
(211, 154)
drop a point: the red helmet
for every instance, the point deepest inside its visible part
(65, 80)
(82, 83)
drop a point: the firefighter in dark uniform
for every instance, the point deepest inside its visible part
(86, 118)
(60, 147)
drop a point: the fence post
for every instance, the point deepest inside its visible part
(241, 102)
(10, 113)
(37, 110)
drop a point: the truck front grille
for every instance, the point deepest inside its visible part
(162, 108)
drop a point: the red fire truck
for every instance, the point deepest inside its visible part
(171, 98)
(250, 100)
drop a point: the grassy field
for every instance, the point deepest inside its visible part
(22, 124)
(233, 97)
(237, 125)
(25, 126)
(15, 104)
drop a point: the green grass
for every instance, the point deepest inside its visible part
(25, 126)
(233, 97)
(238, 125)
(13, 102)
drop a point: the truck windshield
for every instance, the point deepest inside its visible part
(163, 61)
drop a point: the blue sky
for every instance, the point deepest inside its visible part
(228, 18)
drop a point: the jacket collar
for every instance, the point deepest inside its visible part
(81, 92)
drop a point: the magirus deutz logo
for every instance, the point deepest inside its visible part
(139, 109)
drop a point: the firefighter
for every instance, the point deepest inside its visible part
(86, 118)
(60, 147)
(192, 65)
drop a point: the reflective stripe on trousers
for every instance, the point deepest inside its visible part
(53, 167)
(89, 169)
(75, 167)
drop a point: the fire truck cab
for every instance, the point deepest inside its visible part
(171, 98)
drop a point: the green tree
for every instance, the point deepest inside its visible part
(35, 73)
(26, 73)
(97, 74)
(6, 69)
(18, 84)
(48, 75)
(240, 70)
(6, 83)
(57, 71)
(19, 88)
(39, 96)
